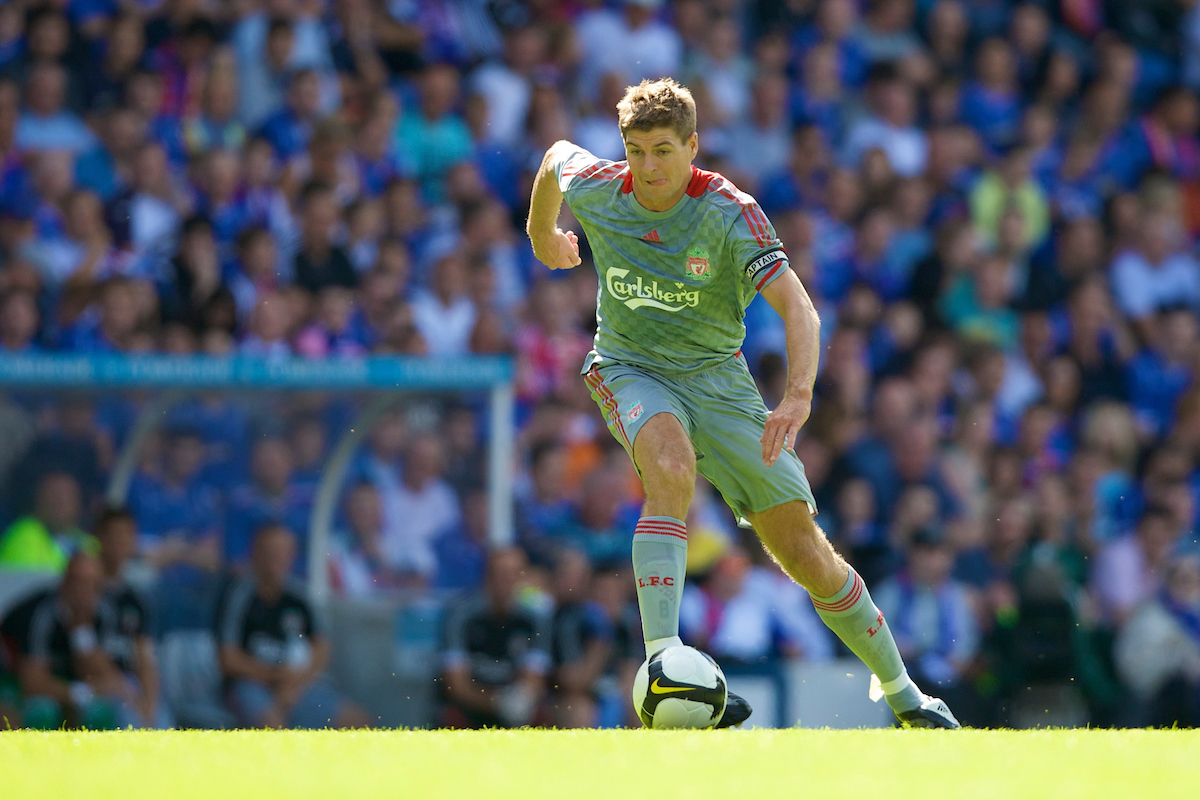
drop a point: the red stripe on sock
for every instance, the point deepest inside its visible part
(666, 533)
(656, 529)
(846, 602)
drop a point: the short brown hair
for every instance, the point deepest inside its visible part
(658, 104)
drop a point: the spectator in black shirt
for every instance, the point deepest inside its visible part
(65, 673)
(320, 262)
(597, 644)
(270, 650)
(494, 652)
(124, 623)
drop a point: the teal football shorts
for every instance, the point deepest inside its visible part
(723, 414)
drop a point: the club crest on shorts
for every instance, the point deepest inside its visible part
(635, 412)
(697, 263)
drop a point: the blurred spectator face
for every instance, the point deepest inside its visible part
(1082, 247)
(271, 560)
(222, 174)
(320, 217)
(394, 260)
(897, 103)
(1156, 533)
(929, 563)
(19, 319)
(843, 196)
(1030, 30)
(177, 339)
(126, 41)
(389, 437)
(271, 319)
(439, 91)
(1183, 582)
(991, 283)
(724, 40)
(915, 454)
(335, 304)
(948, 23)
(364, 513)
(1012, 527)
(1160, 237)
(118, 310)
(548, 473)
(1062, 77)
(1106, 105)
(769, 100)
(85, 217)
(150, 170)
(259, 257)
(184, 457)
(571, 575)
(1017, 167)
(1062, 381)
(304, 94)
(47, 86)
(366, 221)
(995, 65)
(602, 493)
(450, 278)
(1010, 238)
(58, 503)
(280, 40)
(260, 163)
(1180, 113)
(118, 543)
(81, 588)
(504, 570)
(54, 175)
(424, 461)
(1038, 127)
(272, 465)
(895, 406)
(912, 200)
(1178, 331)
(729, 575)
(856, 503)
(837, 18)
(308, 442)
(525, 48)
(876, 232)
(48, 37)
(145, 93)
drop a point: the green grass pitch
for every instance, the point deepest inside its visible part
(735, 765)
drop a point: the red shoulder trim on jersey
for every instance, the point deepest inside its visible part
(700, 181)
(627, 182)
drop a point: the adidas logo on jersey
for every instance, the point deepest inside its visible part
(652, 236)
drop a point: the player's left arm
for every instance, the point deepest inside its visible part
(790, 299)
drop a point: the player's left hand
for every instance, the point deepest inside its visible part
(783, 424)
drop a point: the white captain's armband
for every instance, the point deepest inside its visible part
(765, 261)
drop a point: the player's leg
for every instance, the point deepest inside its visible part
(793, 538)
(664, 458)
(648, 420)
(778, 502)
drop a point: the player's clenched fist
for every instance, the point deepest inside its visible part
(558, 250)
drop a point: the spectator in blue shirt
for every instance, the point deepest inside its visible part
(1162, 372)
(462, 552)
(45, 124)
(433, 138)
(178, 512)
(271, 496)
(290, 129)
(991, 104)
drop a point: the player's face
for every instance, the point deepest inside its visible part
(661, 165)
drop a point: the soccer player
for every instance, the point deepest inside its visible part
(680, 253)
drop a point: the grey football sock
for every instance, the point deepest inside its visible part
(857, 621)
(659, 563)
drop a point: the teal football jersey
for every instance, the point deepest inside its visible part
(674, 285)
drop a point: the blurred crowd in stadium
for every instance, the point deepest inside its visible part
(995, 206)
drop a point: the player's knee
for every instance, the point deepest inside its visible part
(670, 472)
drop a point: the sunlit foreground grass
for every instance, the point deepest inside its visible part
(738, 765)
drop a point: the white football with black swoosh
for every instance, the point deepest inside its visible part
(679, 687)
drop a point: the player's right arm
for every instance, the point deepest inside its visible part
(554, 247)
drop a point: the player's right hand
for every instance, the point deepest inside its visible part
(560, 250)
